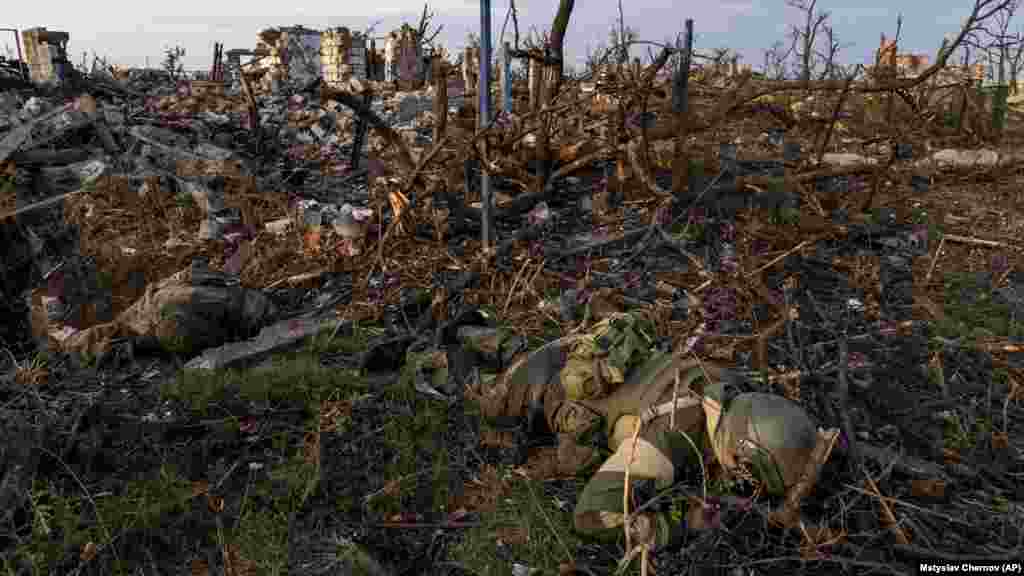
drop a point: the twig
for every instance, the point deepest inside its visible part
(935, 259)
(40, 204)
(625, 485)
(512, 289)
(778, 258)
(424, 162)
(974, 241)
(887, 514)
(835, 113)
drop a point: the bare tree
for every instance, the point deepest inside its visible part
(425, 35)
(775, 59)
(981, 12)
(619, 39)
(805, 36)
(558, 28)
(172, 63)
(1015, 59)
(996, 42)
(831, 70)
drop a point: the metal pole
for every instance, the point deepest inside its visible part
(680, 108)
(484, 90)
(506, 78)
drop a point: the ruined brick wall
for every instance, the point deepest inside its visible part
(335, 46)
(302, 55)
(410, 61)
(38, 56)
(343, 55)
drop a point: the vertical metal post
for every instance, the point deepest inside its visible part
(680, 95)
(680, 109)
(371, 60)
(484, 90)
(506, 78)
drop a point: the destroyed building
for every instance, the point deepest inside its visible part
(299, 55)
(45, 55)
(912, 65)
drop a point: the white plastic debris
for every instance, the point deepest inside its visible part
(951, 157)
(34, 107)
(91, 171)
(846, 159)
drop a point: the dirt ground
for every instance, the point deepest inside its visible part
(898, 320)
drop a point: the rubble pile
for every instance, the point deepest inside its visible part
(800, 232)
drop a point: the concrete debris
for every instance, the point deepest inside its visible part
(300, 117)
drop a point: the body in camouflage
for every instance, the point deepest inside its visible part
(767, 436)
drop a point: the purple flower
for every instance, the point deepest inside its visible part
(55, 284)
(697, 215)
(540, 215)
(728, 232)
(582, 265)
(632, 280)
(857, 359)
(1000, 263)
(583, 296)
(713, 513)
(536, 250)
(760, 246)
(920, 234)
(664, 216)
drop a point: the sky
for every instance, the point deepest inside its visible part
(137, 33)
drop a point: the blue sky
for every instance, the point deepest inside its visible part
(128, 32)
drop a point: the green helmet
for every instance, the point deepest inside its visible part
(768, 435)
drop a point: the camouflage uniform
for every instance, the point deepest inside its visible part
(626, 384)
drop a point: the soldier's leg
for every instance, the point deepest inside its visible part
(599, 508)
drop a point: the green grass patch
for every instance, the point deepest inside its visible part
(972, 311)
(417, 436)
(537, 532)
(295, 378)
(61, 523)
(963, 435)
(355, 342)
(261, 533)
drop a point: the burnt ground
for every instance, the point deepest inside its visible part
(139, 468)
(303, 465)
